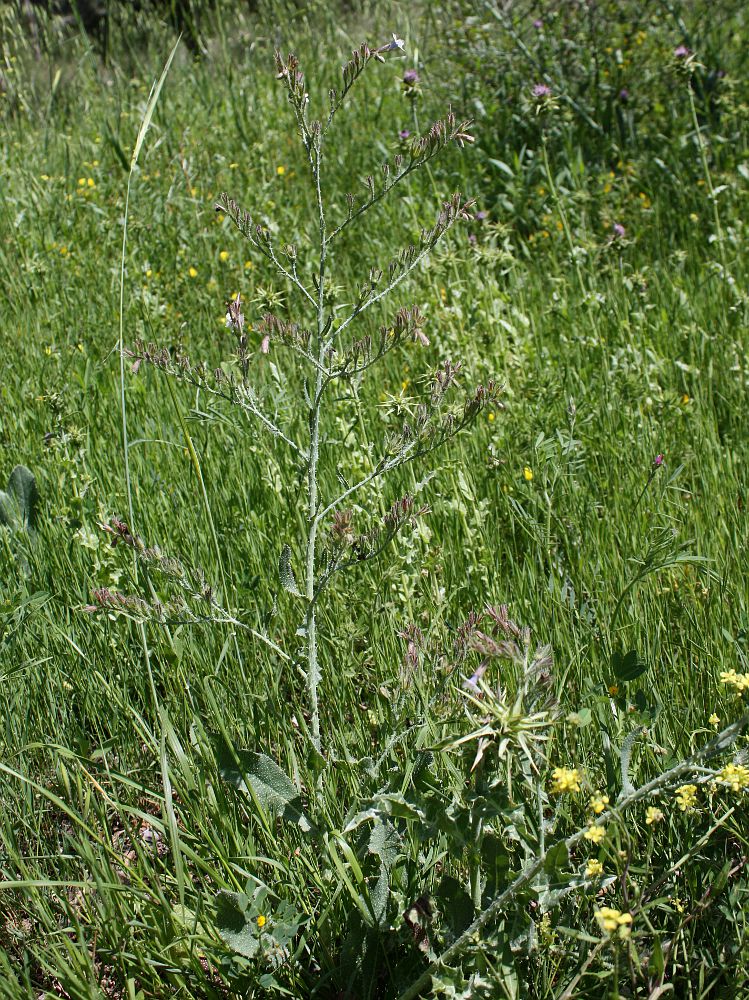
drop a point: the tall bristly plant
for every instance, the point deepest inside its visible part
(327, 355)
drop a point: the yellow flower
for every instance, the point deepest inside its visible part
(694, 217)
(193, 272)
(193, 192)
(738, 681)
(610, 921)
(685, 399)
(598, 802)
(678, 904)
(527, 473)
(223, 256)
(280, 171)
(686, 797)
(613, 690)
(91, 182)
(81, 182)
(653, 815)
(735, 775)
(565, 779)
(714, 720)
(443, 294)
(64, 251)
(490, 416)
(261, 921)
(593, 869)
(248, 265)
(149, 272)
(233, 166)
(595, 833)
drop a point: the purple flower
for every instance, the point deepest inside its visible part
(681, 52)
(410, 78)
(481, 215)
(472, 239)
(404, 134)
(619, 229)
(658, 461)
(538, 24)
(624, 95)
(541, 90)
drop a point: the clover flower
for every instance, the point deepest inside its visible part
(686, 797)
(565, 779)
(612, 921)
(619, 230)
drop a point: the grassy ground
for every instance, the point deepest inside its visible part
(613, 348)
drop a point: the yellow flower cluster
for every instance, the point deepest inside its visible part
(653, 815)
(738, 681)
(610, 921)
(735, 775)
(598, 802)
(565, 779)
(686, 797)
(595, 833)
(593, 869)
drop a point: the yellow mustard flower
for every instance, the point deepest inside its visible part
(193, 272)
(280, 171)
(248, 265)
(714, 720)
(735, 680)
(224, 256)
(565, 779)
(612, 921)
(686, 797)
(653, 815)
(598, 802)
(91, 182)
(593, 869)
(595, 833)
(81, 182)
(261, 921)
(490, 416)
(736, 776)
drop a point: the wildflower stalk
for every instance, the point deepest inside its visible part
(448, 957)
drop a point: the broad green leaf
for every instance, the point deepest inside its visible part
(18, 505)
(239, 933)
(272, 787)
(385, 842)
(627, 667)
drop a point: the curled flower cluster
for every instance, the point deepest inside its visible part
(565, 779)
(735, 775)
(612, 921)
(735, 680)
(686, 797)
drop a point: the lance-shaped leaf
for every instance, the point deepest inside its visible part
(286, 573)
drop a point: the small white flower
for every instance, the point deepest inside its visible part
(397, 43)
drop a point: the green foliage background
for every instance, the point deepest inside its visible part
(629, 347)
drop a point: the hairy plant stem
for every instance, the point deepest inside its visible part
(719, 743)
(313, 667)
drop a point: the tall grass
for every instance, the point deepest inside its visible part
(118, 829)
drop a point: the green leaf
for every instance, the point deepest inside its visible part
(18, 505)
(627, 667)
(286, 573)
(239, 933)
(556, 858)
(274, 790)
(385, 842)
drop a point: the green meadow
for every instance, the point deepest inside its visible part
(465, 719)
